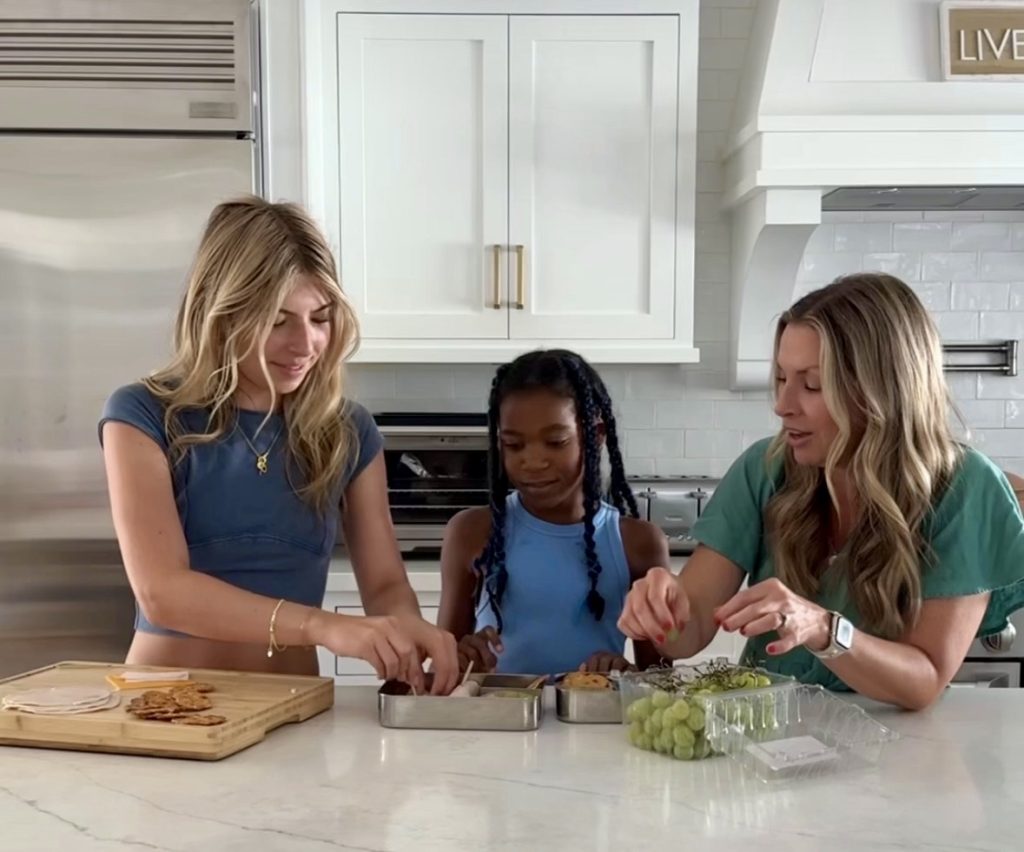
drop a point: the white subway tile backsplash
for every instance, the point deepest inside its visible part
(980, 236)
(826, 266)
(1002, 266)
(1014, 414)
(864, 237)
(722, 53)
(741, 415)
(893, 216)
(1017, 236)
(639, 467)
(981, 296)
(949, 266)
(659, 381)
(954, 216)
(822, 240)
(835, 216)
(922, 236)
(684, 467)
(636, 414)
(999, 442)
(992, 386)
(736, 23)
(713, 443)
(983, 413)
(654, 443)
(1017, 296)
(712, 238)
(714, 115)
(710, 25)
(957, 325)
(728, 85)
(425, 383)
(1008, 325)
(371, 381)
(963, 386)
(904, 265)
(684, 413)
(753, 436)
(712, 266)
(709, 146)
(615, 377)
(708, 88)
(934, 296)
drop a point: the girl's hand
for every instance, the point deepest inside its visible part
(656, 608)
(607, 661)
(481, 649)
(770, 606)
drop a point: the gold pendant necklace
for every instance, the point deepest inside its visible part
(262, 464)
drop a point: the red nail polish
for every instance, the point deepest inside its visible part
(771, 648)
(660, 638)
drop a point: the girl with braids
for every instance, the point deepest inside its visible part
(230, 469)
(876, 546)
(535, 582)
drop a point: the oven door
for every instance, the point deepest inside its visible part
(988, 674)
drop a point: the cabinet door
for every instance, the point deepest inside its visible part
(422, 127)
(592, 176)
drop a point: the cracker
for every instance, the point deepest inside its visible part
(204, 721)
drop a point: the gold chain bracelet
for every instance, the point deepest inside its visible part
(273, 646)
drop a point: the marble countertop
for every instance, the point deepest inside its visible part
(954, 781)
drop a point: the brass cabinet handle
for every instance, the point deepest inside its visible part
(496, 304)
(520, 286)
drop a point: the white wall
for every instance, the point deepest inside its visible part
(969, 269)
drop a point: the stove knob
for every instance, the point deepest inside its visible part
(1002, 641)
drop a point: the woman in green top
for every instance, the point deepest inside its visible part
(875, 545)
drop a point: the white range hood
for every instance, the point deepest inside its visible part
(844, 106)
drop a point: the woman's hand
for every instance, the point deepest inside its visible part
(480, 649)
(656, 609)
(395, 645)
(607, 661)
(769, 606)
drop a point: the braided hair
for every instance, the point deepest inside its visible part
(567, 375)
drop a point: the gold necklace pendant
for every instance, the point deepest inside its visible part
(261, 463)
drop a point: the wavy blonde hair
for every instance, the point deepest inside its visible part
(248, 260)
(881, 375)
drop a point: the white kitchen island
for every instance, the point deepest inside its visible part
(954, 781)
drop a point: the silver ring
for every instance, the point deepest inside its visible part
(782, 622)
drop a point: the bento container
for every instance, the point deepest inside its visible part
(673, 712)
(397, 707)
(588, 706)
(815, 733)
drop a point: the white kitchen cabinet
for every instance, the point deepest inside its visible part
(501, 181)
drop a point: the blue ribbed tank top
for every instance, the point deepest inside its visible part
(547, 626)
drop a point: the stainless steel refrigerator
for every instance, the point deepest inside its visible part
(122, 123)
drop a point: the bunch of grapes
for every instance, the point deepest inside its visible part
(671, 720)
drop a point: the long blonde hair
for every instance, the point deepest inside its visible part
(881, 375)
(247, 263)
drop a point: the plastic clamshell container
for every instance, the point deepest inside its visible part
(750, 707)
(588, 706)
(397, 707)
(814, 733)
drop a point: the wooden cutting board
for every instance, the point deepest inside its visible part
(253, 704)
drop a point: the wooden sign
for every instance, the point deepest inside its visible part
(982, 39)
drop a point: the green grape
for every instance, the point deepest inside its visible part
(649, 728)
(695, 719)
(672, 635)
(639, 709)
(683, 736)
(763, 681)
(701, 748)
(636, 729)
(679, 711)
(667, 741)
(646, 743)
(683, 752)
(657, 719)
(634, 738)
(661, 699)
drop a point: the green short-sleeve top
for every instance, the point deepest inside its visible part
(975, 532)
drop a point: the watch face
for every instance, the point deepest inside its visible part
(844, 632)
